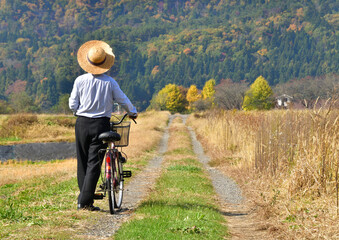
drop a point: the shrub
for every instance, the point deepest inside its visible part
(16, 125)
(62, 121)
(22, 119)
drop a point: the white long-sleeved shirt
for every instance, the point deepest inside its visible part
(93, 96)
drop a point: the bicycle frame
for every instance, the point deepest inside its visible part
(112, 176)
(108, 159)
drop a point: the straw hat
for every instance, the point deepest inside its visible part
(95, 57)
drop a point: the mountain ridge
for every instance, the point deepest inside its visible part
(161, 42)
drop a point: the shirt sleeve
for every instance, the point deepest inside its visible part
(74, 100)
(120, 97)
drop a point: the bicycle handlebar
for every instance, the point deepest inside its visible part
(122, 119)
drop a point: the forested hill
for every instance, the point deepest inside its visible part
(159, 42)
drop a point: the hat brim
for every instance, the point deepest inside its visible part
(90, 67)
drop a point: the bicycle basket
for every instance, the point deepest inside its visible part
(123, 130)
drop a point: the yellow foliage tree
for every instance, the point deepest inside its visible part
(170, 98)
(192, 96)
(259, 96)
(208, 91)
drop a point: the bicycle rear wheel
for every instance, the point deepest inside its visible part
(118, 181)
(110, 181)
(111, 196)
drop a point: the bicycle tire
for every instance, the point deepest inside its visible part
(111, 196)
(110, 183)
(119, 183)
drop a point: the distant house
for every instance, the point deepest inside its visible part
(284, 101)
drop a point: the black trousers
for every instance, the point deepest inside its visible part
(87, 131)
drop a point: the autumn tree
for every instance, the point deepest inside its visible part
(259, 96)
(169, 98)
(158, 51)
(192, 96)
(208, 91)
(208, 97)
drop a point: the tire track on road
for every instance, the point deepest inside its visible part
(135, 191)
(240, 217)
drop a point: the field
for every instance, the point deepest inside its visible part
(38, 199)
(286, 161)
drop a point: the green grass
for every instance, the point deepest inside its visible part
(9, 139)
(182, 206)
(39, 208)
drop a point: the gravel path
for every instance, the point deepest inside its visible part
(240, 219)
(225, 187)
(136, 190)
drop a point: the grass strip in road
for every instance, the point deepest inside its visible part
(183, 203)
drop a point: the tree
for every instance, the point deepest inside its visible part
(208, 91)
(259, 96)
(230, 95)
(169, 98)
(306, 91)
(5, 108)
(192, 96)
(63, 104)
(22, 102)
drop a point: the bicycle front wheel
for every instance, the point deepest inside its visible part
(118, 182)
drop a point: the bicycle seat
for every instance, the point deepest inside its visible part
(109, 136)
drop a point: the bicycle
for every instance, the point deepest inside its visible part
(112, 174)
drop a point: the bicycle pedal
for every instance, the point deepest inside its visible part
(98, 196)
(127, 174)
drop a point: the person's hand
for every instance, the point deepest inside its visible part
(133, 116)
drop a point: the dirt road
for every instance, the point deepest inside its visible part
(240, 218)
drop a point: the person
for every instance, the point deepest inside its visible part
(91, 100)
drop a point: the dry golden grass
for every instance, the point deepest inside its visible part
(28, 128)
(12, 171)
(286, 161)
(43, 133)
(2, 118)
(144, 137)
(146, 134)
